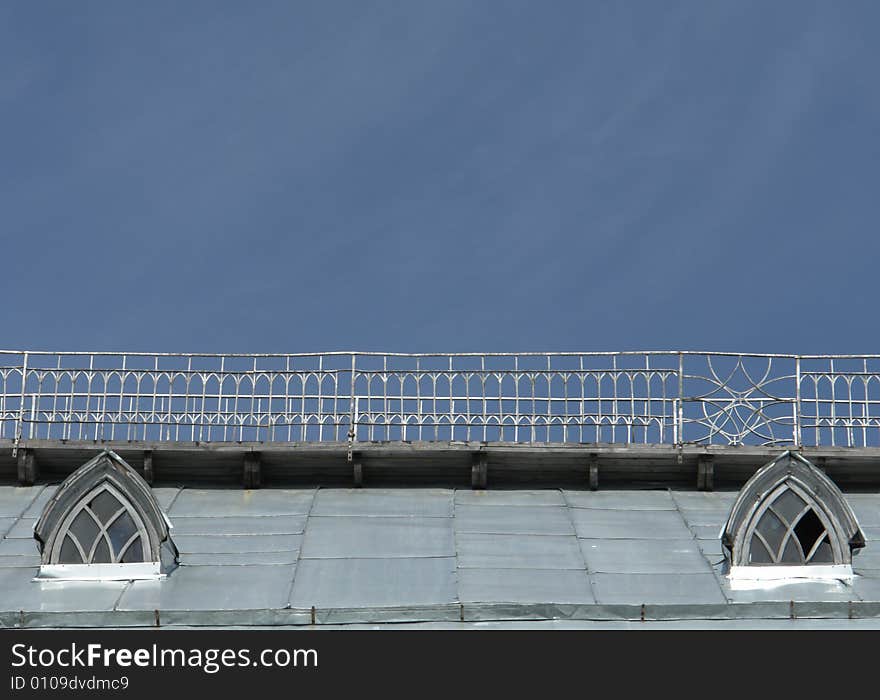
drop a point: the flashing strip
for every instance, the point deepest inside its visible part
(100, 572)
(790, 574)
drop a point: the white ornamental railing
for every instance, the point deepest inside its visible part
(673, 397)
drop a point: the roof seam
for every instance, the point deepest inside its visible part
(455, 552)
(577, 540)
(711, 569)
(302, 544)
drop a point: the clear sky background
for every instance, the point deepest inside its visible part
(440, 176)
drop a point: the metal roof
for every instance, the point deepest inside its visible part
(358, 556)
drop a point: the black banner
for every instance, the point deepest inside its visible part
(134, 663)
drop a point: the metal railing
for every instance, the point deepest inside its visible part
(672, 397)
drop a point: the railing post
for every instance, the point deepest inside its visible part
(352, 432)
(678, 426)
(19, 424)
(798, 436)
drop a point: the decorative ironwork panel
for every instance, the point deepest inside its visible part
(630, 397)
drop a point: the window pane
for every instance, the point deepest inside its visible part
(772, 530)
(809, 529)
(104, 506)
(758, 553)
(791, 555)
(788, 504)
(121, 531)
(69, 553)
(823, 553)
(84, 529)
(102, 553)
(134, 553)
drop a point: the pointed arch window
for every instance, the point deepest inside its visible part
(789, 529)
(103, 528)
(790, 521)
(104, 523)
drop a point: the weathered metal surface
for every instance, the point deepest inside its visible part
(524, 586)
(225, 502)
(6, 525)
(644, 556)
(22, 593)
(624, 524)
(510, 497)
(239, 525)
(287, 556)
(496, 551)
(362, 566)
(801, 591)
(620, 500)
(15, 500)
(358, 583)
(212, 588)
(23, 528)
(670, 397)
(515, 520)
(377, 537)
(683, 589)
(429, 503)
(234, 544)
(18, 547)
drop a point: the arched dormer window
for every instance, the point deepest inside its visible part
(790, 521)
(104, 523)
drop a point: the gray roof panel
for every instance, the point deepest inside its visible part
(510, 497)
(6, 524)
(523, 520)
(620, 500)
(797, 591)
(16, 547)
(38, 503)
(238, 525)
(707, 532)
(872, 534)
(518, 551)
(165, 495)
(624, 524)
(866, 558)
(658, 589)
(19, 560)
(354, 583)
(225, 544)
(372, 537)
(704, 517)
(431, 503)
(867, 587)
(21, 592)
(212, 588)
(22, 529)
(239, 558)
(367, 552)
(14, 500)
(704, 500)
(525, 586)
(242, 502)
(865, 506)
(711, 549)
(644, 556)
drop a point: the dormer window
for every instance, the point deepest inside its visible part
(104, 523)
(104, 529)
(790, 521)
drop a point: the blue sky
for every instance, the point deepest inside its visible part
(439, 176)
